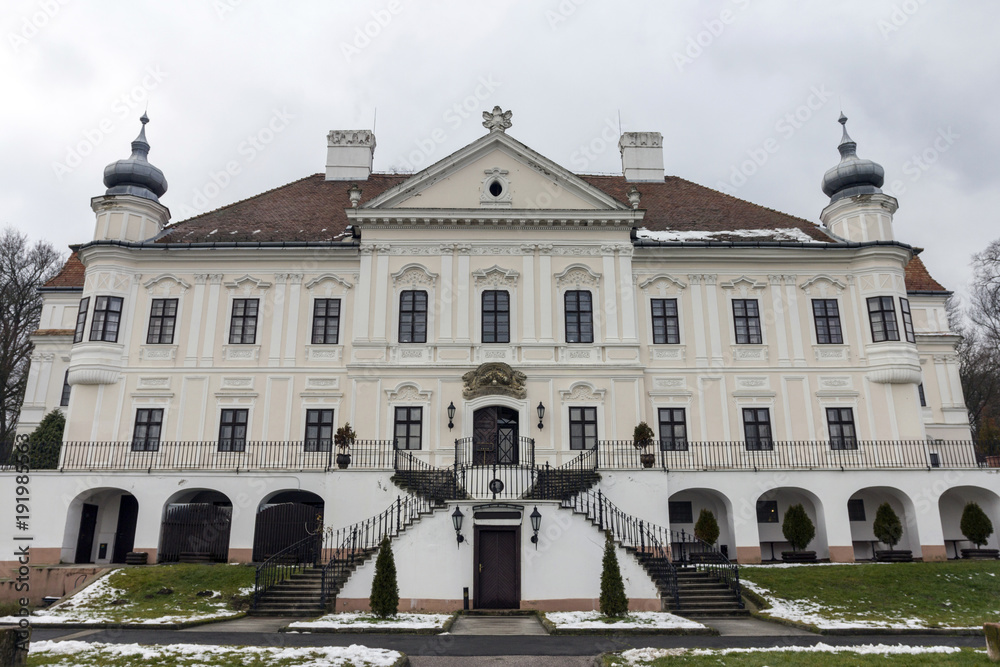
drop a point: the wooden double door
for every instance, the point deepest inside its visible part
(498, 567)
(494, 436)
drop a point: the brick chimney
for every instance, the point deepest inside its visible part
(642, 156)
(349, 155)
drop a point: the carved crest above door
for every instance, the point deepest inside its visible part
(494, 379)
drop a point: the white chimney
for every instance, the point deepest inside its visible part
(349, 155)
(642, 156)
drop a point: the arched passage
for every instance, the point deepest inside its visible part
(195, 527)
(771, 508)
(285, 518)
(861, 510)
(686, 506)
(951, 505)
(100, 526)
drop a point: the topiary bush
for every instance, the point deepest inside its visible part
(887, 527)
(384, 599)
(707, 528)
(798, 528)
(613, 600)
(45, 442)
(976, 526)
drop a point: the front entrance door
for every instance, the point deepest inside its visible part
(498, 567)
(128, 513)
(494, 436)
(85, 540)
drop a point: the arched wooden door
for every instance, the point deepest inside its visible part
(494, 436)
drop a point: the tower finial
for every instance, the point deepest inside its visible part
(853, 175)
(135, 176)
(846, 138)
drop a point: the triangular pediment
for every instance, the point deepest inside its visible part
(495, 172)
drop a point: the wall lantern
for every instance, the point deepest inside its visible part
(536, 523)
(456, 520)
(451, 415)
(541, 413)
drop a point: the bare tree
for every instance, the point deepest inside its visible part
(23, 269)
(984, 306)
(979, 351)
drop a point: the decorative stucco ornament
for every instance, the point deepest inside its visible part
(497, 120)
(492, 379)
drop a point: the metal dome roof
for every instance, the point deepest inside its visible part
(136, 176)
(853, 176)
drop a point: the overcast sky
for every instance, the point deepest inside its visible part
(745, 92)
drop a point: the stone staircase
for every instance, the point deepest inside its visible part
(703, 595)
(302, 593)
(436, 484)
(561, 484)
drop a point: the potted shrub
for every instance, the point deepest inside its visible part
(977, 528)
(799, 530)
(889, 530)
(642, 439)
(344, 438)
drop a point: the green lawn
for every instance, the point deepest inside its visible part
(812, 658)
(952, 594)
(163, 591)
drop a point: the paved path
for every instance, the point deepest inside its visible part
(753, 627)
(263, 624)
(504, 661)
(497, 625)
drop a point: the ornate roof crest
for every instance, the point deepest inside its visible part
(497, 120)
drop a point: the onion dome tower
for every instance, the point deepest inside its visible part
(130, 209)
(858, 210)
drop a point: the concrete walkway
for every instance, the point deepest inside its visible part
(266, 624)
(753, 627)
(505, 661)
(497, 625)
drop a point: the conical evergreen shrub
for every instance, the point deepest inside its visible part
(707, 528)
(797, 527)
(613, 600)
(384, 599)
(976, 526)
(887, 527)
(45, 442)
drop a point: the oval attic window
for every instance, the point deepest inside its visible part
(496, 189)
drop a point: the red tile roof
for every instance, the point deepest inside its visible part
(71, 274)
(919, 280)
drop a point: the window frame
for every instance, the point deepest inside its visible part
(907, 317)
(494, 314)
(584, 318)
(672, 442)
(756, 442)
(67, 390)
(841, 419)
(81, 320)
(413, 427)
(321, 323)
(767, 511)
(241, 337)
(856, 510)
(747, 336)
(587, 417)
(677, 504)
(106, 322)
(922, 395)
(235, 444)
(161, 320)
(147, 419)
(317, 442)
(888, 327)
(665, 320)
(831, 337)
(415, 315)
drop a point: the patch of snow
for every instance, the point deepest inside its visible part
(642, 655)
(590, 620)
(789, 234)
(781, 566)
(323, 656)
(361, 620)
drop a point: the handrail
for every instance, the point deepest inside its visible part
(708, 558)
(277, 568)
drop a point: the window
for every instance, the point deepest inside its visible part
(107, 318)
(920, 393)
(233, 430)
(856, 510)
(64, 399)
(162, 317)
(666, 326)
(243, 325)
(579, 317)
(413, 316)
(904, 307)
(746, 317)
(319, 430)
(673, 429)
(767, 511)
(326, 322)
(757, 426)
(680, 511)
(496, 316)
(882, 316)
(827, 317)
(582, 428)
(81, 319)
(408, 425)
(841, 424)
(146, 432)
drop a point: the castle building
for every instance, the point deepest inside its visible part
(494, 328)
